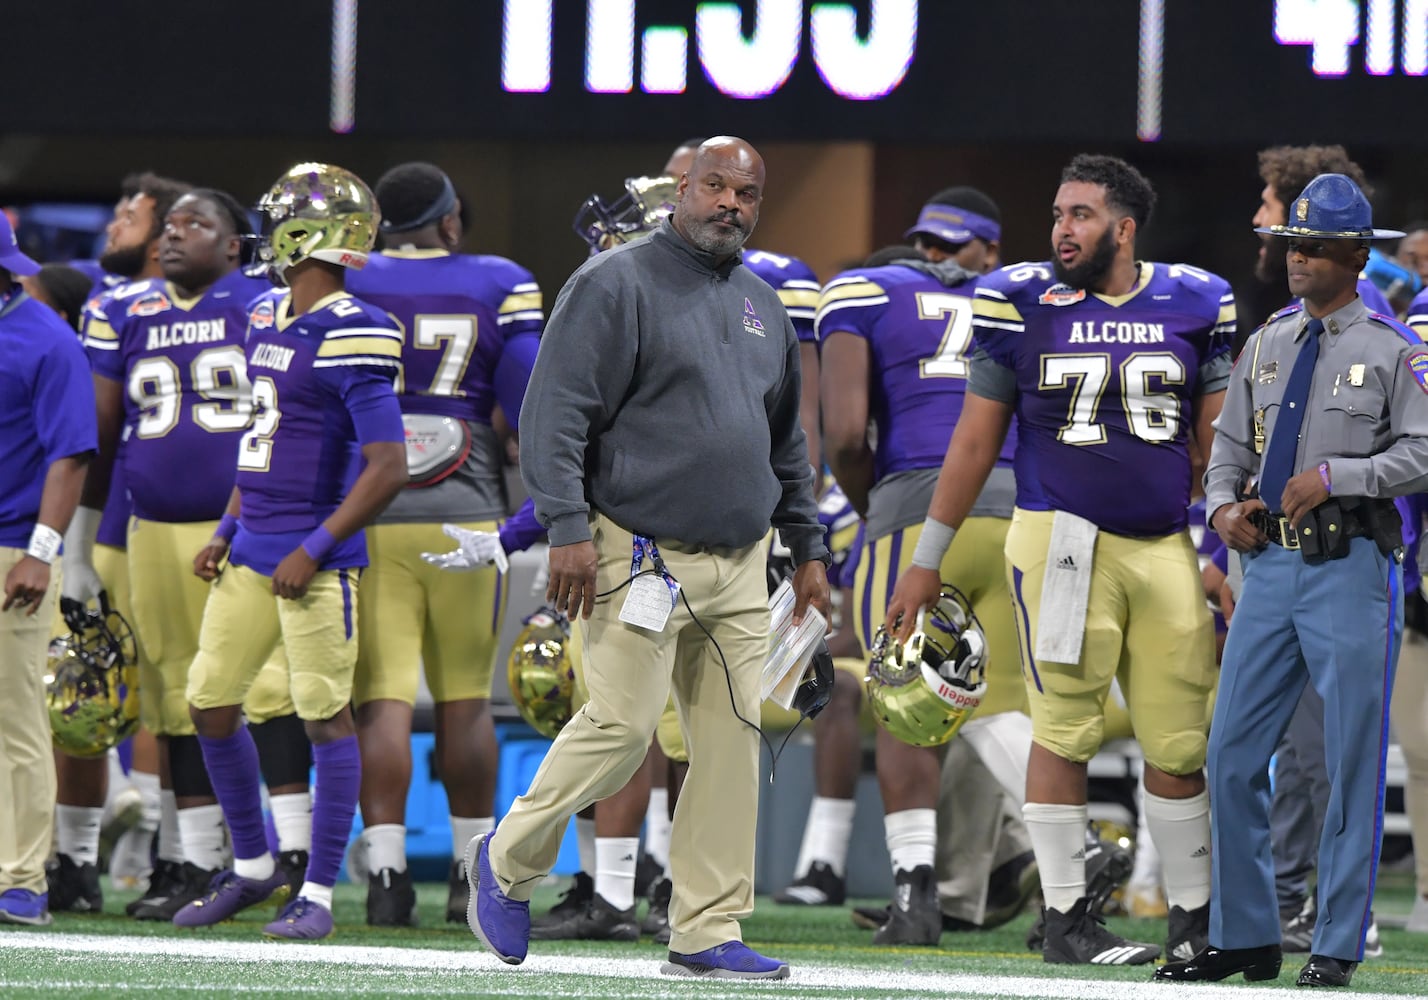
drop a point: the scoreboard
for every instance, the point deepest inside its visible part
(912, 71)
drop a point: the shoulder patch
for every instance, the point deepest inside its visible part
(151, 303)
(1061, 295)
(1417, 363)
(263, 314)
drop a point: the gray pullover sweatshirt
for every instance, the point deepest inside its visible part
(665, 396)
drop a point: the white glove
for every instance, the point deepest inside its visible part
(474, 550)
(79, 580)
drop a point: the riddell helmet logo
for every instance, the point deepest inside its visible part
(262, 317)
(956, 697)
(1062, 295)
(354, 261)
(149, 304)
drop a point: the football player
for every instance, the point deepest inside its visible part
(895, 341)
(95, 559)
(287, 552)
(1105, 363)
(170, 371)
(471, 326)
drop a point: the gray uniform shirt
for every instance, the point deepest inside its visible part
(665, 395)
(1367, 412)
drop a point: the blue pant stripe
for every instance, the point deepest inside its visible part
(1389, 662)
(345, 580)
(870, 553)
(1023, 635)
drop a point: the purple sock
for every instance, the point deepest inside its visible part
(334, 802)
(233, 768)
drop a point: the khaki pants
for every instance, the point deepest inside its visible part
(27, 763)
(630, 673)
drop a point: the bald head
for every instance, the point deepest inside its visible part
(719, 196)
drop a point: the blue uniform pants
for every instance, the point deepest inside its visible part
(1336, 625)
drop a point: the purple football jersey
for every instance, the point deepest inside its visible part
(322, 388)
(186, 394)
(796, 284)
(1105, 387)
(918, 331)
(469, 327)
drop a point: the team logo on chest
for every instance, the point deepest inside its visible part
(262, 315)
(151, 303)
(1062, 295)
(752, 323)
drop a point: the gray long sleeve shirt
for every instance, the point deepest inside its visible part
(1367, 412)
(665, 396)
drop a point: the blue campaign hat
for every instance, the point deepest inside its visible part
(1331, 207)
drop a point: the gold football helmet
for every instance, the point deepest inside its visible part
(320, 212)
(924, 690)
(540, 674)
(92, 680)
(635, 214)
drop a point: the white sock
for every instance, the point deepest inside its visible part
(258, 869)
(1058, 836)
(615, 860)
(585, 841)
(292, 816)
(149, 794)
(466, 828)
(657, 826)
(826, 834)
(170, 843)
(319, 894)
(1146, 873)
(1181, 828)
(911, 837)
(205, 837)
(78, 829)
(386, 847)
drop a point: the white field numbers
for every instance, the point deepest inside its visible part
(1152, 416)
(455, 337)
(219, 375)
(950, 361)
(255, 451)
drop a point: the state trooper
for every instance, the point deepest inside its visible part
(1325, 420)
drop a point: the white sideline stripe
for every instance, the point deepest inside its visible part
(833, 981)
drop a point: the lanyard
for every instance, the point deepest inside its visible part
(646, 547)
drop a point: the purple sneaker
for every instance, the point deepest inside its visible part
(21, 906)
(730, 960)
(228, 893)
(301, 920)
(503, 924)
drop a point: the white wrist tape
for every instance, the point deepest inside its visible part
(44, 543)
(932, 544)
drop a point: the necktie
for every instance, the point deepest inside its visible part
(1283, 447)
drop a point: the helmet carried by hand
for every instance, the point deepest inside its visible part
(924, 690)
(540, 672)
(92, 680)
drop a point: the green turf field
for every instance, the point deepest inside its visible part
(107, 955)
